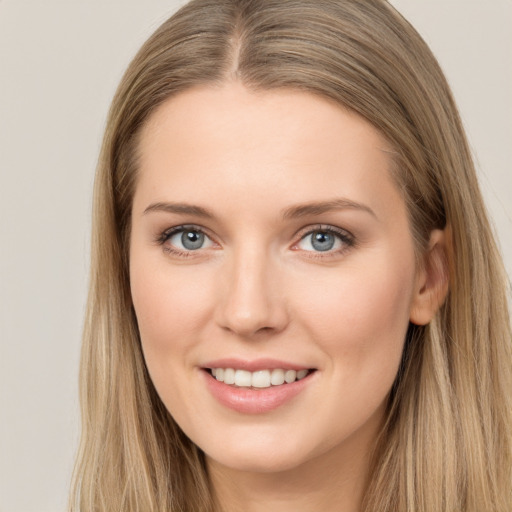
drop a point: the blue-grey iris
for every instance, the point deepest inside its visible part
(192, 240)
(322, 241)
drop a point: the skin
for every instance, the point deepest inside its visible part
(258, 288)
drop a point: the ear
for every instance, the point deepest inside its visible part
(432, 279)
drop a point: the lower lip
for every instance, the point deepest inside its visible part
(255, 401)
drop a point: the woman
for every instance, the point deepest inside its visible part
(296, 299)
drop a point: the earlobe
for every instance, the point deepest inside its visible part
(432, 280)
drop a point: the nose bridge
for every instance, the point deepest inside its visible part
(252, 300)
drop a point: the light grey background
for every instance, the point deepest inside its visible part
(59, 64)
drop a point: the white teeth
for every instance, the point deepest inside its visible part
(277, 377)
(300, 374)
(258, 379)
(229, 376)
(261, 379)
(290, 376)
(243, 378)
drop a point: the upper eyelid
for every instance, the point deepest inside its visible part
(323, 227)
(304, 230)
(186, 227)
(164, 237)
(298, 235)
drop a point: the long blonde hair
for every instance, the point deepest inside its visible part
(446, 444)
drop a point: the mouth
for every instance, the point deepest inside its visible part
(257, 386)
(261, 379)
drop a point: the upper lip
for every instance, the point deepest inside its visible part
(255, 365)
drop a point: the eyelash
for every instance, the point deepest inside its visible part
(168, 233)
(347, 239)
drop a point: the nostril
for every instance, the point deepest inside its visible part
(249, 310)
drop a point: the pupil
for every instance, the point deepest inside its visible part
(322, 241)
(192, 240)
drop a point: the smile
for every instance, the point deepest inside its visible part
(256, 387)
(259, 379)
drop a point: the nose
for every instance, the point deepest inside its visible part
(251, 301)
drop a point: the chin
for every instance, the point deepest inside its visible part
(262, 454)
(261, 462)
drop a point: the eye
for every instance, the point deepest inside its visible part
(325, 240)
(183, 239)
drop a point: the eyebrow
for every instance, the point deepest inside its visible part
(317, 208)
(180, 208)
(293, 212)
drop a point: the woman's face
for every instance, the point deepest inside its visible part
(269, 241)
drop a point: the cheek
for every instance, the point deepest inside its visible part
(171, 309)
(163, 298)
(172, 306)
(359, 320)
(361, 313)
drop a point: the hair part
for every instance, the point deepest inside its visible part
(446, 443)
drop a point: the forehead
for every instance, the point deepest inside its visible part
(209, 112)
(229, 142)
